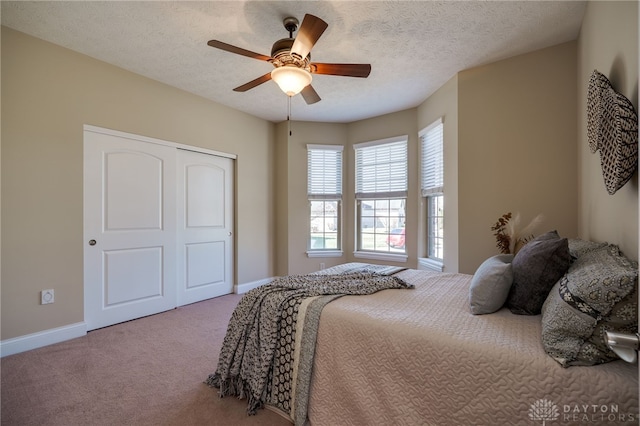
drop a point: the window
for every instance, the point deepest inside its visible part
(324, 188)
(381, 196)
(432, 185)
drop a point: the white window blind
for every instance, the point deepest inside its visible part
(381, 168)
(324, 171)
(431, 141)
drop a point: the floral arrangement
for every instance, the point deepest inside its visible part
(509, 238)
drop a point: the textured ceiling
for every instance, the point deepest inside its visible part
(414, 47)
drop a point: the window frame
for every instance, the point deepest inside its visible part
(369, 189)
(437, 234)
(432, 190)
(324, 232)
(323, 189)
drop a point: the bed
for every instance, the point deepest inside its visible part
(417, 355)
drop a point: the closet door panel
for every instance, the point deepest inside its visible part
(129, 228)
(205, 226)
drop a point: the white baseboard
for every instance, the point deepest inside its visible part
(42, 338)
(243, 288)
(72, 331)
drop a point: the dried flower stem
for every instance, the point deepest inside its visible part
(503, 240)
(508, 237)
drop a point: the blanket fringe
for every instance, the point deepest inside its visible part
(235, 386)
(246, 366)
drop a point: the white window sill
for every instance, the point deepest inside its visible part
(424, 263)
(381, 256)
(324, 253)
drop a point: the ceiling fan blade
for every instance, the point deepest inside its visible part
(233, 49)
(310, 31)
(310, 95)
(253, 83)
(348, 70)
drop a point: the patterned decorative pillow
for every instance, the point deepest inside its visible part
(597, 294)
(536, 268)
(490, 284)
(578, 247)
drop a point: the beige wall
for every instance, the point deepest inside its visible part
(282, 198)
(48, 94)
(293, 205)
(608, 42)
(515, 140)
(443, 104)
(516, 147)
(383, 127)
(510, 145)
(511, 130)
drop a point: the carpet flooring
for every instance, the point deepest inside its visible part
(149, 371)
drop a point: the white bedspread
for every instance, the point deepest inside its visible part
(418, 357)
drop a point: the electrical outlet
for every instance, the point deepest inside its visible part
(46, 297)
(321, 266)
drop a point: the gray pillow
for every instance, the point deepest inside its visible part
(598, 293)
(536, 268)
(490, 284)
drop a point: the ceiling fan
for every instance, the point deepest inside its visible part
(291, 58)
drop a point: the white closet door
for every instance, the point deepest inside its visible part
(205, 226)
(130, 228)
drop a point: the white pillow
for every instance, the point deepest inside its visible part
(490, 284)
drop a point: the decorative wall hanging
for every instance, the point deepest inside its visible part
(612, 128)
(598, 83)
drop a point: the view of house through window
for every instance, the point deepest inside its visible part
(382, 225)
(324, 188)
(381, 194)
(324, 225)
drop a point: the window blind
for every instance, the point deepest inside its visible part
(324, 171)
(381, 168)
(431, 142)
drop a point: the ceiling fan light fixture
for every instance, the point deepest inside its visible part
(291, 79)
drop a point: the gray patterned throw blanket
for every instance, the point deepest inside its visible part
(267, 352)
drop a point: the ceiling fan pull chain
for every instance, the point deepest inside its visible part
(289, 114)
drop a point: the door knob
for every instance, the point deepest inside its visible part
(92, 242)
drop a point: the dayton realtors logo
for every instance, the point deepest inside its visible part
(545, 411)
